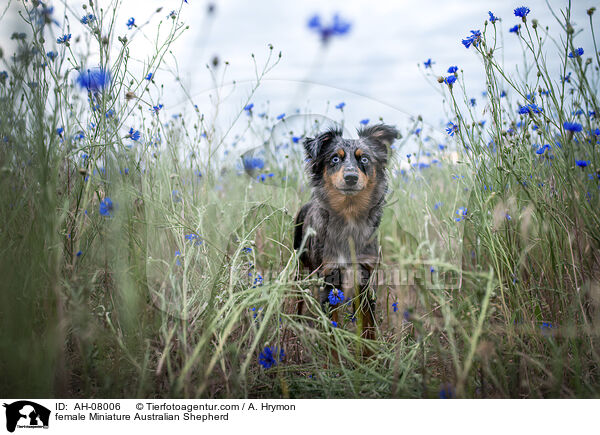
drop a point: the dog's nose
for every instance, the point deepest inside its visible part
(351, 179)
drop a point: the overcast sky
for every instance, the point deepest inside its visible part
(374, 69)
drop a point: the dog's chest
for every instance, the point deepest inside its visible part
(345, 239)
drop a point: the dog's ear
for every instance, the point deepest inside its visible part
(313, 146)
(382, 135)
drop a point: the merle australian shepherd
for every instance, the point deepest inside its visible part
(349, 185)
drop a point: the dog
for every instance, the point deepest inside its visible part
(336, 230)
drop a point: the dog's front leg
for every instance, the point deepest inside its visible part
(365, 301)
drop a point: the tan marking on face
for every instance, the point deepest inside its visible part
(341, 153)
(349, 206)
(358, 153)
(363, 179)
(336, 178)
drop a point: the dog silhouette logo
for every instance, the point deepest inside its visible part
(26, 414)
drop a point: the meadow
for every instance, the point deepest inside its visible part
(142, 254)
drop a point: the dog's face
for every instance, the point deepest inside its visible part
(349, 166)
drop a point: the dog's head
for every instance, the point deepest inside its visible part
(349, 166)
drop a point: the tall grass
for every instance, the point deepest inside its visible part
(489, 279)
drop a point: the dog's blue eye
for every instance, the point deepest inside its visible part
(364, 160)
(335, 160)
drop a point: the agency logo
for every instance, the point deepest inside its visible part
(26, 414)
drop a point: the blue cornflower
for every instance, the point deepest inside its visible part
(44, 16)
(493, 19)
(522, 12)
(251, 163)
(546, 328)
(268, 357)
(473, 102)
(156, 109)
(280, 116)
(578, 52)
(567, 78)
(247, 250)
(334, 324)
(340, 105)
(79, 253)
(529, 108)
(64, 39)
(395, 307)
(572, 126)
(87, 19)
(106, 207)
(364, 121)
(447, 392)
(3, 76)
(450, 80)
(134, 134)
(451, 128)
(94, 79)
(314, 22)
(541, 150)
(336, 296)
(176, 196)
(428, 63)
(130, 23)
(150, 76)
(452, 69)
(18, 36)
(248, 108)
(462, 214)
(194, 238)
(437, 205)
(338, 27)
(258, 281)
(177, 255)
(295, 139)
(514, 29)
(60, 131)
(52, 55)
(582, 163)
(472, 39)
